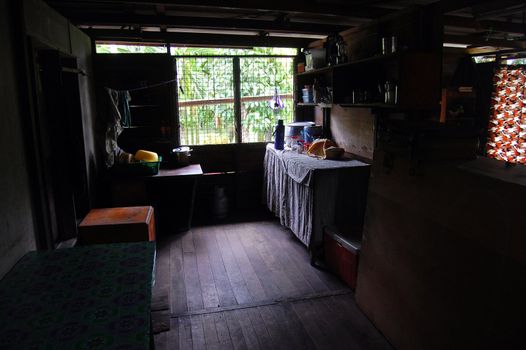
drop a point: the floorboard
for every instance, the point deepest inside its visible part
(257, 293)
(206, 277)
(251, 286)
(235, 277)
(177, 286)
(221, 280)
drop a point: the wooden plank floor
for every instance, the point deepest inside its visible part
(250, 286)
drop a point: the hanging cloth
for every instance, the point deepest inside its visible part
(507, 125)
(124, 108)
(113, 128)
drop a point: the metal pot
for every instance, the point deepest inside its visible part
(181, 156)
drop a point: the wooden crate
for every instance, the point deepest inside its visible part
(115, 225)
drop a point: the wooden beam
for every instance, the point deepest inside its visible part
(454, 5)
(499, 8)
(203, 23)
(290, 6)
(464, 22)
(237, 99)
(231, 100)
(213, 40)
(479, 41)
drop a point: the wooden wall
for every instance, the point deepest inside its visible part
(46, 27)
(443, 259)
(353, 129)
(81, 48)
(33, 26)
(16, 212)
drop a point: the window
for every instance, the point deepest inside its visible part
(206, 93)
(261, 77)
(206, 100)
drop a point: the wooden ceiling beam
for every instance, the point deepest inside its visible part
(480, 41)
(358, 9)
(204, 23)
(499, 8)
(497, 26)
(196, 39)
(454, 5)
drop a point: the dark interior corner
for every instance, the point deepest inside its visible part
(410, 239)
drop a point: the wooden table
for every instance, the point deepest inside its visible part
(154, 189)
(91, 297)
(308, 194)
(190, 170)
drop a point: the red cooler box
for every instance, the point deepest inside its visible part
(341, 254)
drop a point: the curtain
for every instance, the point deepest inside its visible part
(507, 125)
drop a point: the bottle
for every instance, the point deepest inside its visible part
(279, 135)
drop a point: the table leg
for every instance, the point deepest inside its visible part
(192, 201)
(316, 253)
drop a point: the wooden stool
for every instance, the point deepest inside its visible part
(116, 225)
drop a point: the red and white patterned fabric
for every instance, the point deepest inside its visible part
(507, 125)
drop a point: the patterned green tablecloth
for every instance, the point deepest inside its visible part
(92, 297)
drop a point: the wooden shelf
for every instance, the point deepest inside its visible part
(416, 75)
(144, 106)
(351, 63)
(322, 105)
(368, 105)
(315, 71)
(349, 105)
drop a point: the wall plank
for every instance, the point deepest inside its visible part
(16, 215)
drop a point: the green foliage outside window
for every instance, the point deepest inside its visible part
(206, 93)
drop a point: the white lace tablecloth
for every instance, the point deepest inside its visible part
(308, 194)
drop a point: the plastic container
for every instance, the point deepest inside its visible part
(296, 144)
(311, 133)
(307, 94)
(296, 129)
(138, 168)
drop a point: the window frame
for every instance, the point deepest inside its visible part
(237, 94)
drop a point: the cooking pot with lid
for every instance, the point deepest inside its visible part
(180, 156)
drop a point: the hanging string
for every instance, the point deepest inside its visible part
(147, 87)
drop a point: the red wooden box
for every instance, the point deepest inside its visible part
(341, 255)
(115, 225)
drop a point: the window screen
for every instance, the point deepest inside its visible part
(260, 77)
(206, 100)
